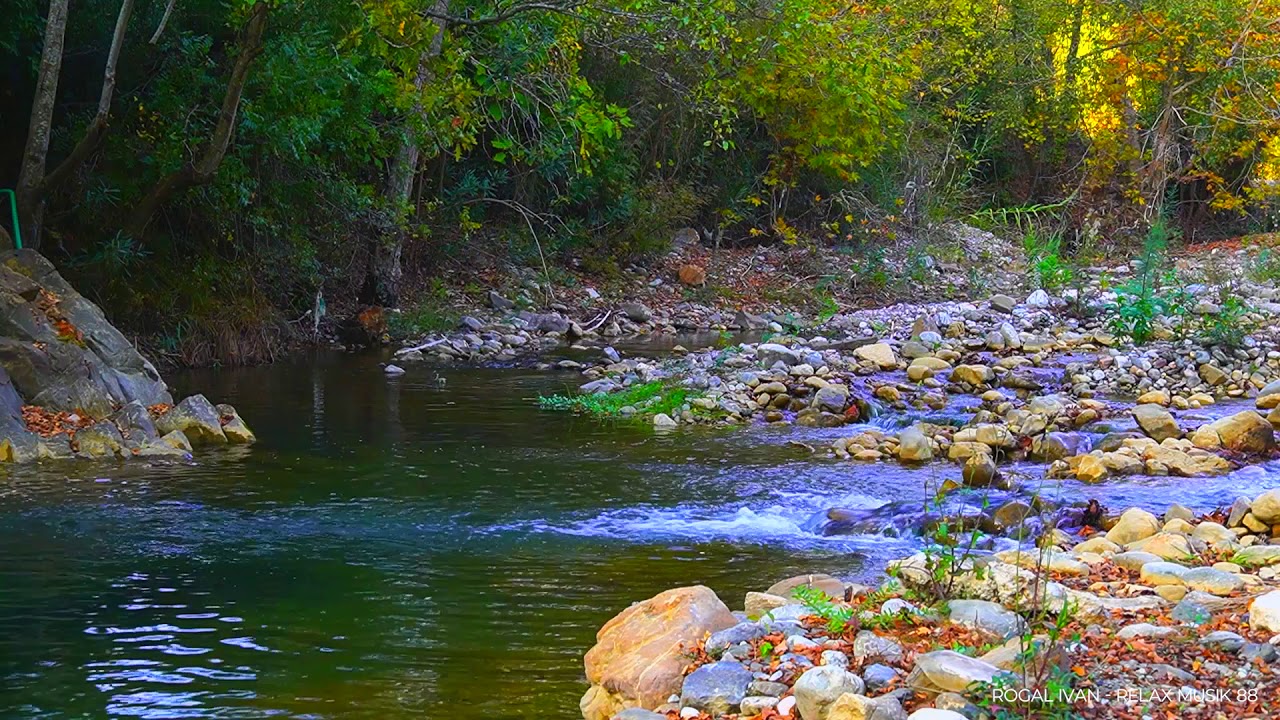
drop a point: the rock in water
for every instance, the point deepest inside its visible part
(1245, 432)
(914, 446)
(1156, 422)
(197, 418)
(716, 688)
(638, 658)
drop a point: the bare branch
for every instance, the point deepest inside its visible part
(164, 20)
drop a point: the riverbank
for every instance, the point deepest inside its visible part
(1135, 617)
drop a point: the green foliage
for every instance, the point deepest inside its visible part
(1139, 302)
(838, 616)
(648, 399)
(1052, 272)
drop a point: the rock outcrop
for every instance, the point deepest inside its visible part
(72, 385)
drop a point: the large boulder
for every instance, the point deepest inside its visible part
(1245, 432)
(639, 656)
(879, 354)
(58, 348)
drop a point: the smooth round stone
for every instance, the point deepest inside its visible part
(1212, 581)
(1224, 640)
(1163, 573)
(1135, 559)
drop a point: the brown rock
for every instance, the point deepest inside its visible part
(691, 274)
(639, 656)
(1246, 431)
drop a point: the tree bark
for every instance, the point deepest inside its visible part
(37, 149)
(98, 127)
(203, 169)
(382, 279)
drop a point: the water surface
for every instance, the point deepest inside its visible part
(398, 549)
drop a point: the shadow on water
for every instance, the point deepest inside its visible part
(393, 548)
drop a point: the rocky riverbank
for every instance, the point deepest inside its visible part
(72, 386)
(1136, 617)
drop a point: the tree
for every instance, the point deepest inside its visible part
(202, 169)
(31, 176)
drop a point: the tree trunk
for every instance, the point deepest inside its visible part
(37, 150)
(382, 279)
(204, 168)
(98, 127)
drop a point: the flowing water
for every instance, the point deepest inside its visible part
(394, 548)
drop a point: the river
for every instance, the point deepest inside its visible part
(399, 548)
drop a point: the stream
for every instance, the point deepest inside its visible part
(398, 548)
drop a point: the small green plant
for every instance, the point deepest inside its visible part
(647, 399)
(830, 308)
(1044, 253)
(766, 648)
(1139, 304)
(837, 616)
(1227, 326)
(1266, 267)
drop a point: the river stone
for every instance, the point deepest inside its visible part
(935, 714)
(1169, 546)
(1163, 573)
(197, 418)
(877, 676)
(100, 440)
(850, 706)
(1214, 535)
(640, 655)
(869, 646)
(638, 714)
(914, 446)
(720, 641)
(880, 354)
(818, 688)
(988, 617)
(1191, 611)
(948, 670)
(1134, 524)
(827, 584)
(771, 353)
(1156, 422)
(1246, 432)
(135, 424)
(1134, 560)
(1224, 640)
(757, 603)
(716, 688)
(1212, 581)
(972, 374)
(1003, 303)
(1145, 630)
(1010, 514)
(663, 421)
(177, 440)
(1264, 612)
(1098, 544)
(832, 398)
(1266, 507)
(233, 426)
(980, 471)
(753, 705)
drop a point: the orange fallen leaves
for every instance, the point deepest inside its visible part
(46, 423)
